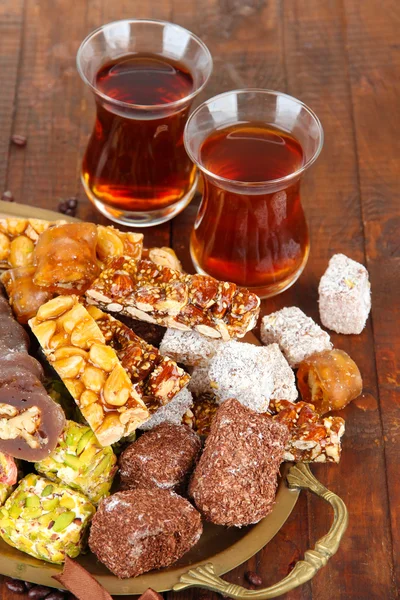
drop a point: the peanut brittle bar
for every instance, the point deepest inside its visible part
(76, 348)
(157, 379)
(168, 297)
(312, 438)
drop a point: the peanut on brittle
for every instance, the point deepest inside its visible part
(76, 348)
(167, 297)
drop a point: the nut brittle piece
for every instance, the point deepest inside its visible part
(163, 257)
(157, 379)
(312, 438)
(90, 369)
(46, 520)
(18, 238)
(329, 380)
(204, 410)
(170, 298)
(112, 243)
(23, 295)
(65, 258)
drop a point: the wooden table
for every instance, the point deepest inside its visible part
(343, 59)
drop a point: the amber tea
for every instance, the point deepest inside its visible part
(140, 164)
(252, 239)
(144, 76)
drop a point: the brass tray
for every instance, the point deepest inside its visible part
(219, 550)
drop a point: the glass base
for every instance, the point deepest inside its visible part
(141, 218)
(267, 291)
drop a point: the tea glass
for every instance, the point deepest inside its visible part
(252, 233)
(135, 169)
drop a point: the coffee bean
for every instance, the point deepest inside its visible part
(39, 592)
(72, 202)
(7, 196)
(71, 212)
(15, 585)
(28, 585)
(56, 595)
(253, 578)
(19, 140)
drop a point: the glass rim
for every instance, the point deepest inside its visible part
(266, 182)
(123, 104)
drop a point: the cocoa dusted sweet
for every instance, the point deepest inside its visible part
(139, 530)
(163, 457)
(235, 480)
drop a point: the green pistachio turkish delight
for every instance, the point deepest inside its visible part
(80, 462)
(46, 520)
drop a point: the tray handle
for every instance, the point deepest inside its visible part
(300, 477)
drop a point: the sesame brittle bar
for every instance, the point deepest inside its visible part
(312, 438)
(90, 369)
(156, 378)
(168, 297)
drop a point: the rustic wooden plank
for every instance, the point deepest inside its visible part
(11, 27)
(374, 58)
(246, 41)
(47, 104)
(316, 65)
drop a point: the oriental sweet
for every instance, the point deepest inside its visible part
(173, 412)
(24, 296)
(312, 438)
(189, 347)
(18, 238)
(163, 457)
(8, 476)
(90, 369)
(136, 531)
(297, 335)
(252, 374)
(235, 480)
(80, 462)
(173, 299)
(344, 295)
(65, 258)
(157, 379)
(46, 520)
(329, 380)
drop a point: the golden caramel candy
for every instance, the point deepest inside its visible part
(329, 380)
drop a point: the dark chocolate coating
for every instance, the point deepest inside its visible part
(52, 423)
(136, 531)
(163, 457)
(235, 480)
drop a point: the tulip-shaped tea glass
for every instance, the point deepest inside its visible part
(252, 147)
(144, 76)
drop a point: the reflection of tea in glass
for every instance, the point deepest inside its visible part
(140, 164)
(253, 239)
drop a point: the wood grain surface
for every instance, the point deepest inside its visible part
(342, 57)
